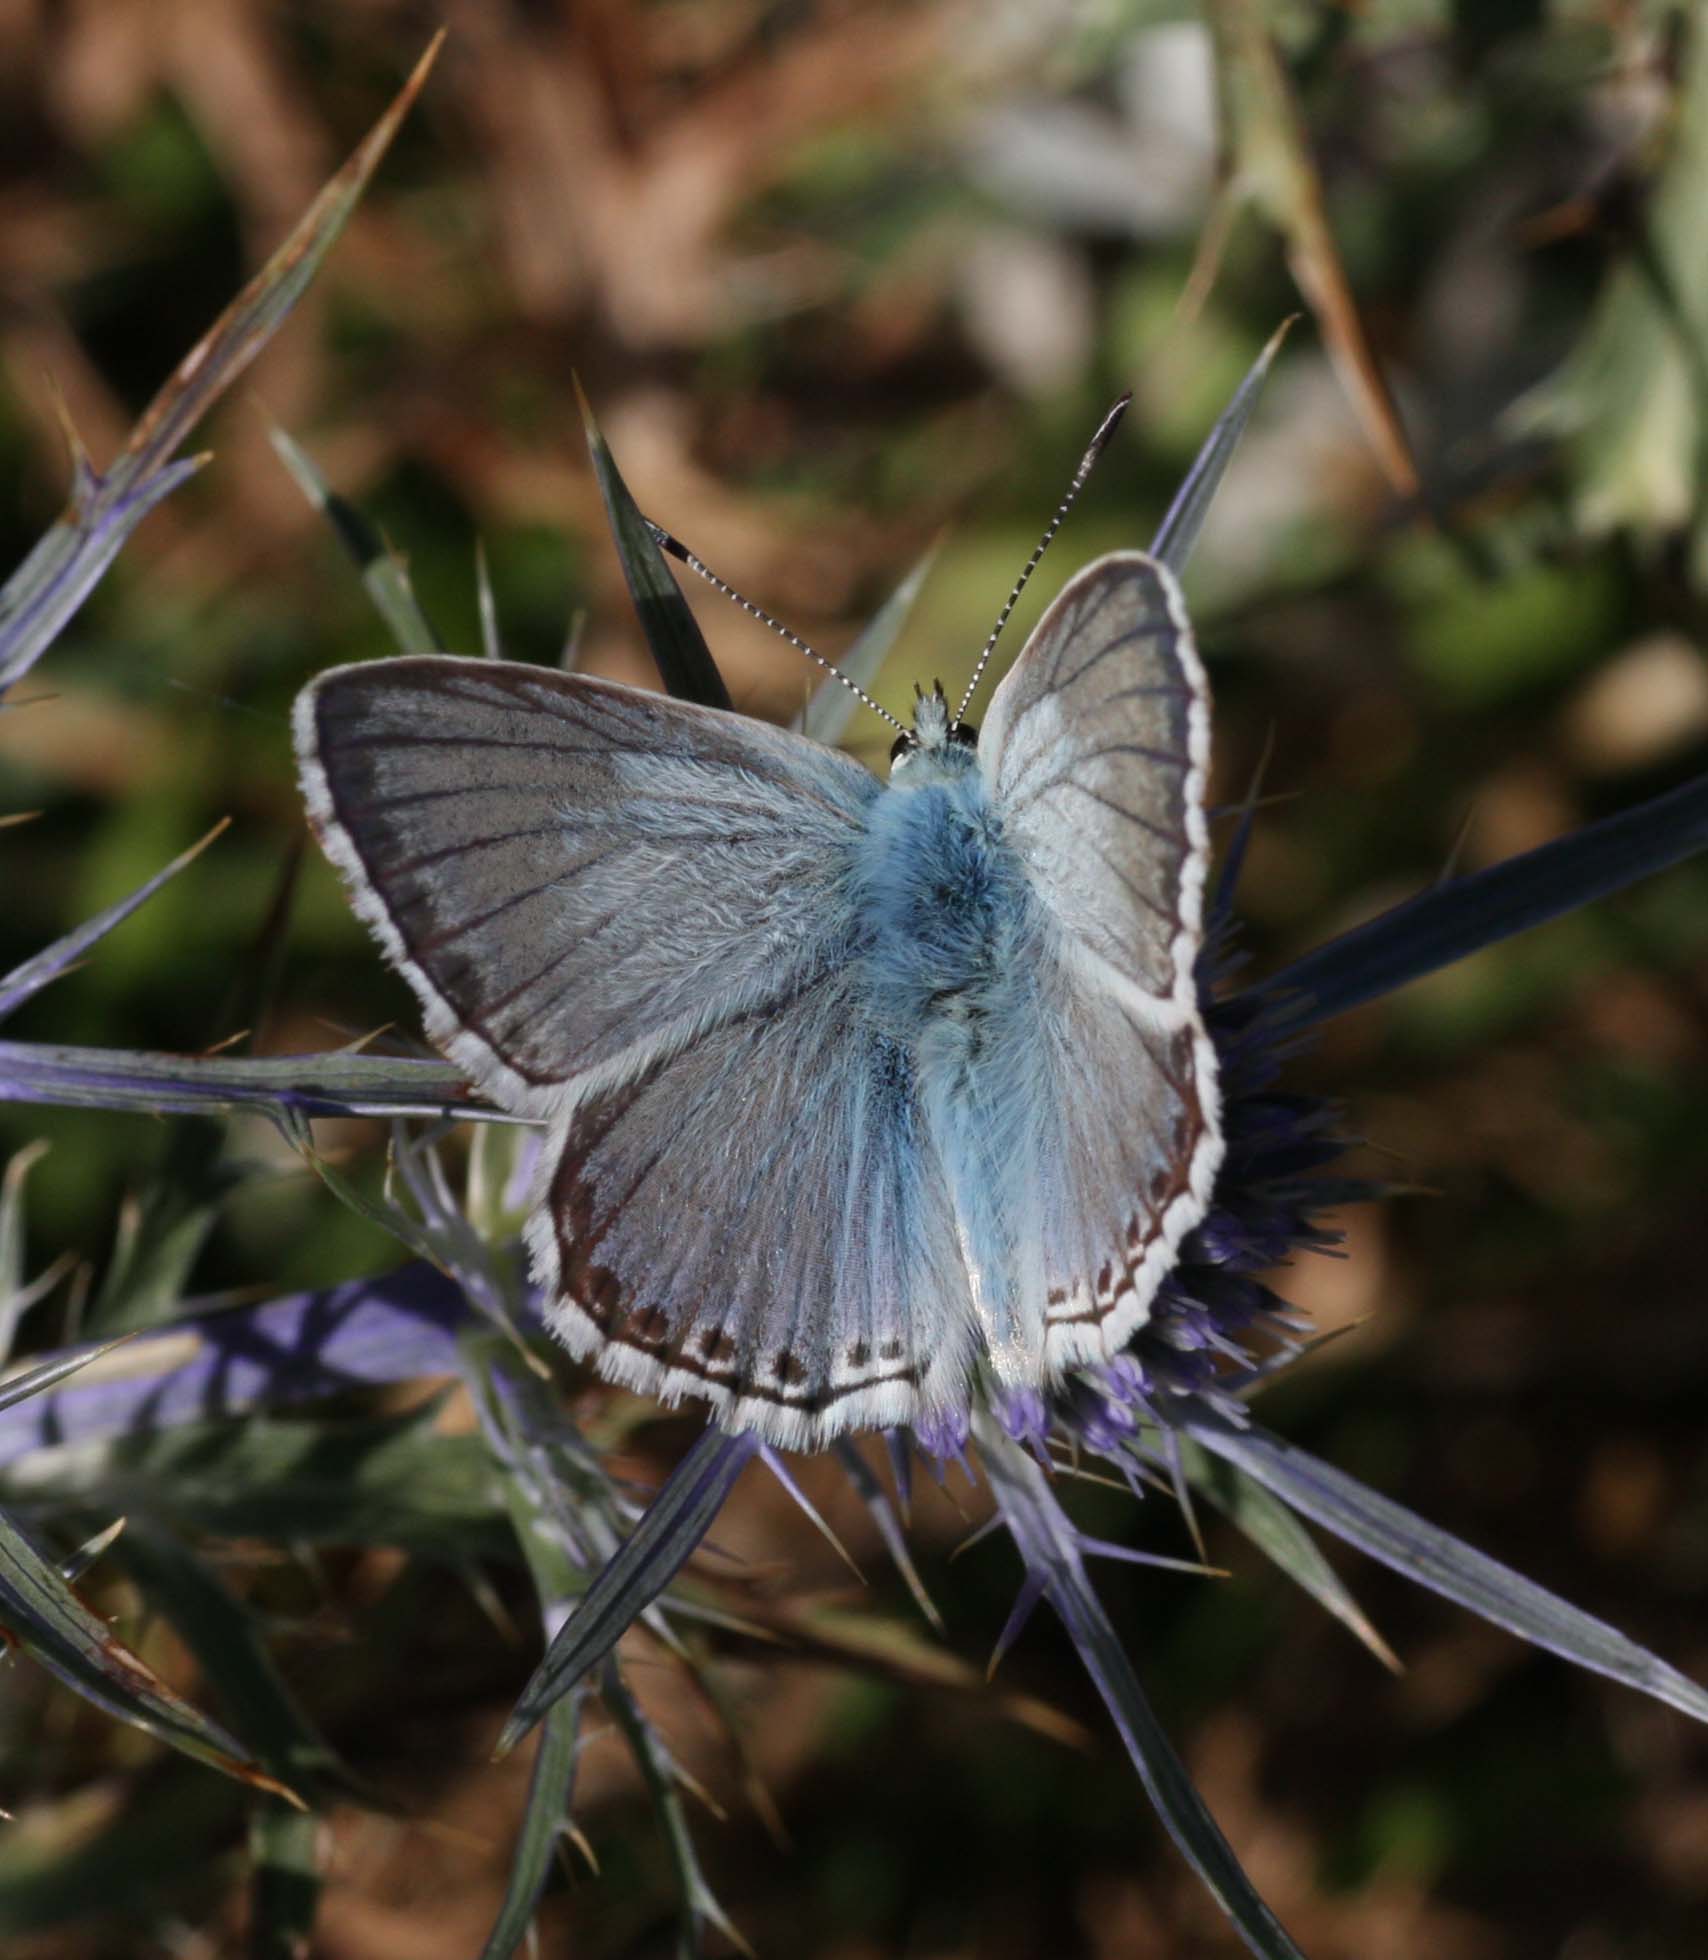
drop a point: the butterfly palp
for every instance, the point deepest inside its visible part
(932, 727)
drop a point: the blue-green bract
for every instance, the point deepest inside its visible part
(854, 1091)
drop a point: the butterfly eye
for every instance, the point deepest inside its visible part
(964, 733)
(902, 747)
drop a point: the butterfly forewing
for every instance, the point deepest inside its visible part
(573, 875)
(1095, 753)
(1095, 749)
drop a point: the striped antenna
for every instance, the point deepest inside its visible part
(679, 551)
(1105, 429)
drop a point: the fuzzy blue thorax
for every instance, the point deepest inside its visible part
(937, 886)
(952, 923)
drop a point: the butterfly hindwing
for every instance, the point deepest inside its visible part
(761, 1220)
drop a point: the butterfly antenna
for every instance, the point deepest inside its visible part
(1105, 429)
(679, 551)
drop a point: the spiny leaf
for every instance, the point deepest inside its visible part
(1450, 922)
(1050, 1545)
(1423, 1552)
(50, 1373)
(551, 1788)
(1184, 519)
(47, 1619)
(827, 715)
(662, 1776)
(23, 981)
(287, 1088)
(654, 1552)
(1276, 1530)
(67, 563)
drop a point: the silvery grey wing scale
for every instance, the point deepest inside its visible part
(574, 876)
(1095, 752)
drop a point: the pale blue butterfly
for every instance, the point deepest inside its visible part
(857, 1094)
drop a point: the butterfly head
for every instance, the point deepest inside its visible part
(934, 733)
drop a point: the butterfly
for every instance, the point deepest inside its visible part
(859, 1096)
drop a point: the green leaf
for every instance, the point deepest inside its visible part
(390, 1218)
(17, 1297)
(284, 1851)
(1275, 1530)
(162, 1232)
(1630, 403)
(227, 1643)
(224, 1637)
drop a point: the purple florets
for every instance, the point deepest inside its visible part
(1024, 1415)
(943, 1434)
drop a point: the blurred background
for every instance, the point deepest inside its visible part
(841, 280)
